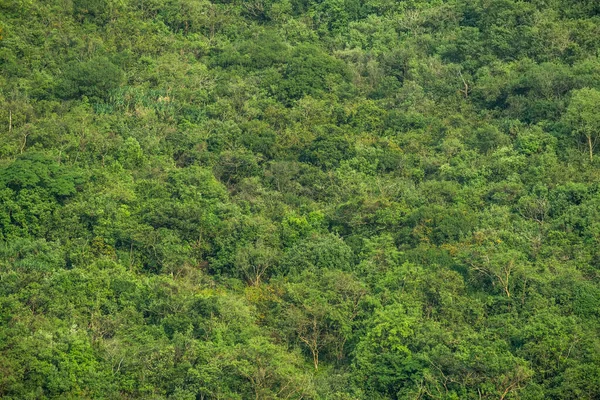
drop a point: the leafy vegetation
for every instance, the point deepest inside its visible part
(331, 199)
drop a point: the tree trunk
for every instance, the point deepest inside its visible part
(589, 138)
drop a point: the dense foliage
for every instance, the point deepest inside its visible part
(331, 199)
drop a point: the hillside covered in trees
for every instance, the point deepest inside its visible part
(292, 199)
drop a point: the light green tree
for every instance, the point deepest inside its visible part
(583, 115)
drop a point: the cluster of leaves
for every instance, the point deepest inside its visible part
(332, 199)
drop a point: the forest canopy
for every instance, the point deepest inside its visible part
(290, 199)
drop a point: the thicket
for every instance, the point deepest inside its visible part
(332, 199)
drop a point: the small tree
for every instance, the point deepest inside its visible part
(255, 261)
(583, 115)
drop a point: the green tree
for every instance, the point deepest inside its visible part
(583, 116)
(94, 79)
